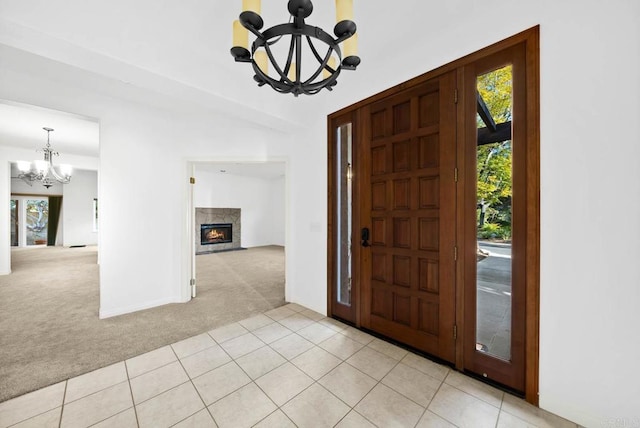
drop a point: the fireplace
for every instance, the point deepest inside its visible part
(220, 219)
(216, 233)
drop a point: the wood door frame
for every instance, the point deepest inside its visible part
(530, 39)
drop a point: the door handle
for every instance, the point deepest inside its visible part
(365, 237)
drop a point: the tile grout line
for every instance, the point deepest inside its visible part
(109, 417)
(393, 389)
(264, 374)
(135, 410)
(194, 386)
(34, 416)
(160, 393)
(330, 392)
(64, 395)
(275, 322)
(287, 360)
(339, 399)
(253, 380)
(500, 410)
(426, 408)
(442, 382)
(364, 417)
(89, 395)
(476, 397)
(102, 389)
(115, 414)
(276, 410)
(148, 371)
(351, 408)
(196, 352)
(378, 382)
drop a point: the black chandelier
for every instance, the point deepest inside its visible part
(290, 78)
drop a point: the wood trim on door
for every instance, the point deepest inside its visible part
(530, 39)
(532, 284)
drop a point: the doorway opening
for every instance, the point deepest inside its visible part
(238, 212)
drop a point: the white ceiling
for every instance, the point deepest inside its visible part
(181, 49)
(151, 44)
(21, 126)
(189, 41)
(266, 170)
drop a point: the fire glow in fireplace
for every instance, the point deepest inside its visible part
(218, 233)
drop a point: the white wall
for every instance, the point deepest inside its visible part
(590, 184)
(77, 208)
(146, 143)
(261, 201)
(277, 208)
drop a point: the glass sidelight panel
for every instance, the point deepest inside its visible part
(344, 161)
(14, 222)
(37, 220)
(494, 212)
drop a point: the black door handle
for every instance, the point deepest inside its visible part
(365, 237)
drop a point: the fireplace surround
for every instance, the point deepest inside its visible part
(217, 229)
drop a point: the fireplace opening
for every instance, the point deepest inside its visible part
(218, 233)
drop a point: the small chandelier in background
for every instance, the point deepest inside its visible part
(43, 170)
(319, 70)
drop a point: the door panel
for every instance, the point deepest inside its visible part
(408, 289)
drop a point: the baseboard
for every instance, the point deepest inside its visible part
(108, 313)
(198, 253)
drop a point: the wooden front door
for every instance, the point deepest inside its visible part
(408, 215)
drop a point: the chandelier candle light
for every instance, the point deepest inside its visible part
(322, 73)
(44, 170)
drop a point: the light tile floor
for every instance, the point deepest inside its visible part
(289, 367)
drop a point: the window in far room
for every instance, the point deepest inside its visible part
(95, 214)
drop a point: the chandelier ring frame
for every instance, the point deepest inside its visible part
(297, 30)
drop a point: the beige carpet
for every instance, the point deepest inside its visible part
(49, 326)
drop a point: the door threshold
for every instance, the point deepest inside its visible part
(497, 385)
(399, 344)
